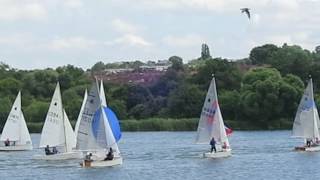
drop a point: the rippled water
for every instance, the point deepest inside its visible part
(172, 155)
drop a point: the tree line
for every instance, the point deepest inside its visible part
(260, 91)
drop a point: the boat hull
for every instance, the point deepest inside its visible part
(101, 163)
(218, 154)
(308, 149)
(60, 156)
(26, 147)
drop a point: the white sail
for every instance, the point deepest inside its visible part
(306, 122)
(105, 137)
(53, 129)
(102, 94)
(69, 133)
(80, 113)
(211, 122)
(104, 103)
(24, 132)
(15, 128)
(85, 137)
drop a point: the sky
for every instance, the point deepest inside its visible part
(36, 34)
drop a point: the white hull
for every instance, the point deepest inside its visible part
(308, 149)
(60, 156)
(101, 163)
(218, 154)
(25, 147)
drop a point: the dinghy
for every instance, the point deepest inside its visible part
(15, 131)
(57, 132)
(306, 123)
(99, 131)
(211, 125)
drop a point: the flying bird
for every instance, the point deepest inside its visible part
(246, 10)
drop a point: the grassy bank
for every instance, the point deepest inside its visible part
(162, 124)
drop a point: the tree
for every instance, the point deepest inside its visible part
(267, 97)
(205, 52)
(263, 54)
(177, 63)
(185, 101)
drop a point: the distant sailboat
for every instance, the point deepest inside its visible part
(306, 123)
(15, 130)
(211, 125)
(57, 132)
(98, 131)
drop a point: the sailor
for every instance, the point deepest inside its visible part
(110, 155)
(309, 141)
(54, 150)
(7, 142)
(213, 145)
(47, 150)
(88, 157)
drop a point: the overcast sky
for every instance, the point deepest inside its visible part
(51, 33)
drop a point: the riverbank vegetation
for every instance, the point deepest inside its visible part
(258, 92)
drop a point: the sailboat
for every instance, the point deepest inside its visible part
(15, 130)
(211, 125)
(98, 131)
(306, 123)
(57, 132)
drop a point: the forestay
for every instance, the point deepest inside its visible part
(211, 122)
(306, 122)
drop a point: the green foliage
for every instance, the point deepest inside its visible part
(258, 92)
(185, 101)
(177, 63)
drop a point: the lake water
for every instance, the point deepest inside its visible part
(172, 155)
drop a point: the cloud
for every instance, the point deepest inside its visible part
(73, 3)
(183, 41)
(71, 43)
(124, 26)
(17, 10)
(131, 40)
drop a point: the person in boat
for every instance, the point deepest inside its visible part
(54, 150)
(7, 142)
(308, 143)
(224, 146)
(110, 155)
(213, 145)
(88, 157)
(47, 150)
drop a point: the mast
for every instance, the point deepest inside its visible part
(63, 121)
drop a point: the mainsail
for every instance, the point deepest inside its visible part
(15, 128)
(57, 130)
(306, 122)
(85, 137)
(211, 122)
